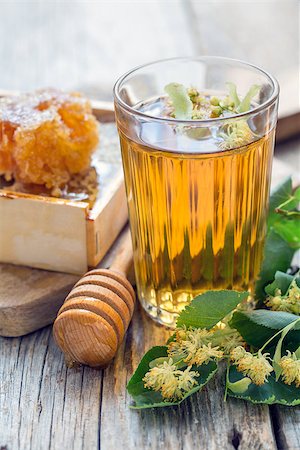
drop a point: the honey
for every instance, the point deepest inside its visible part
(46, 137)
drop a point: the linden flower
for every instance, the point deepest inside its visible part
(194, 346)
(186, 379)
(193, 93)
(226, 338)
(289, 302)
(294, 292)
(238, 353)
(187, 343)
(260, 369)
(205, 354)
(237, 134)
(172, 382)
(162, 375)
(290, 366)
(256, 367)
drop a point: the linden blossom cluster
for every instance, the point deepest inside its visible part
(172, 382)
(256, 367)
(175, 375)
(189, 103)
(290, 302)
(290, 366)
(191, 347)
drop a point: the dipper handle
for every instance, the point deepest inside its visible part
(123, 259)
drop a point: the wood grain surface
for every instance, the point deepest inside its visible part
(86, 408)
(87, 45)
(30, 298)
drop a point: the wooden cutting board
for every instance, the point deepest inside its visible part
(30, 298)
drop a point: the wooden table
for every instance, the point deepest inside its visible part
(45, 405)
(87, 45)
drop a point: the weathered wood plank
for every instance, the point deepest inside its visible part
(30, 298)
(203, 421)
(42, 403)
(286, 422)
(45, 405)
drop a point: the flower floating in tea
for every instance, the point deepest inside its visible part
(191, 104)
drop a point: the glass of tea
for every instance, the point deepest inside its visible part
(197, 138)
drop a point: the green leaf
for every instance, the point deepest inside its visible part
(233, 94)
(289, 230)
(282, 239)
(246, 102)
(207, 309)
(282, 282)
(181, 101)
(278, 256)
(157, 361)
(147, 398)
(257, 327)
(279, 195)
(291, 203)
(272, 392)
(283, 212)
(135, 386)
(296, 193)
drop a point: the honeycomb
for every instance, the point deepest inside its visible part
(46, 137)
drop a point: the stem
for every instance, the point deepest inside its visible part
(289, 200)
(227, 379)
(177, 363)
(278, 332)
(286, 212)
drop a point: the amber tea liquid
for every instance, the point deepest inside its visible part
(198, 217)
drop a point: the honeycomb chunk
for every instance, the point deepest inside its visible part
(46, 137)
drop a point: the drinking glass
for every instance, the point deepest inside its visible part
(197, 203)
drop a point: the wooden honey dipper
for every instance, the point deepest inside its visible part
(93, 320)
